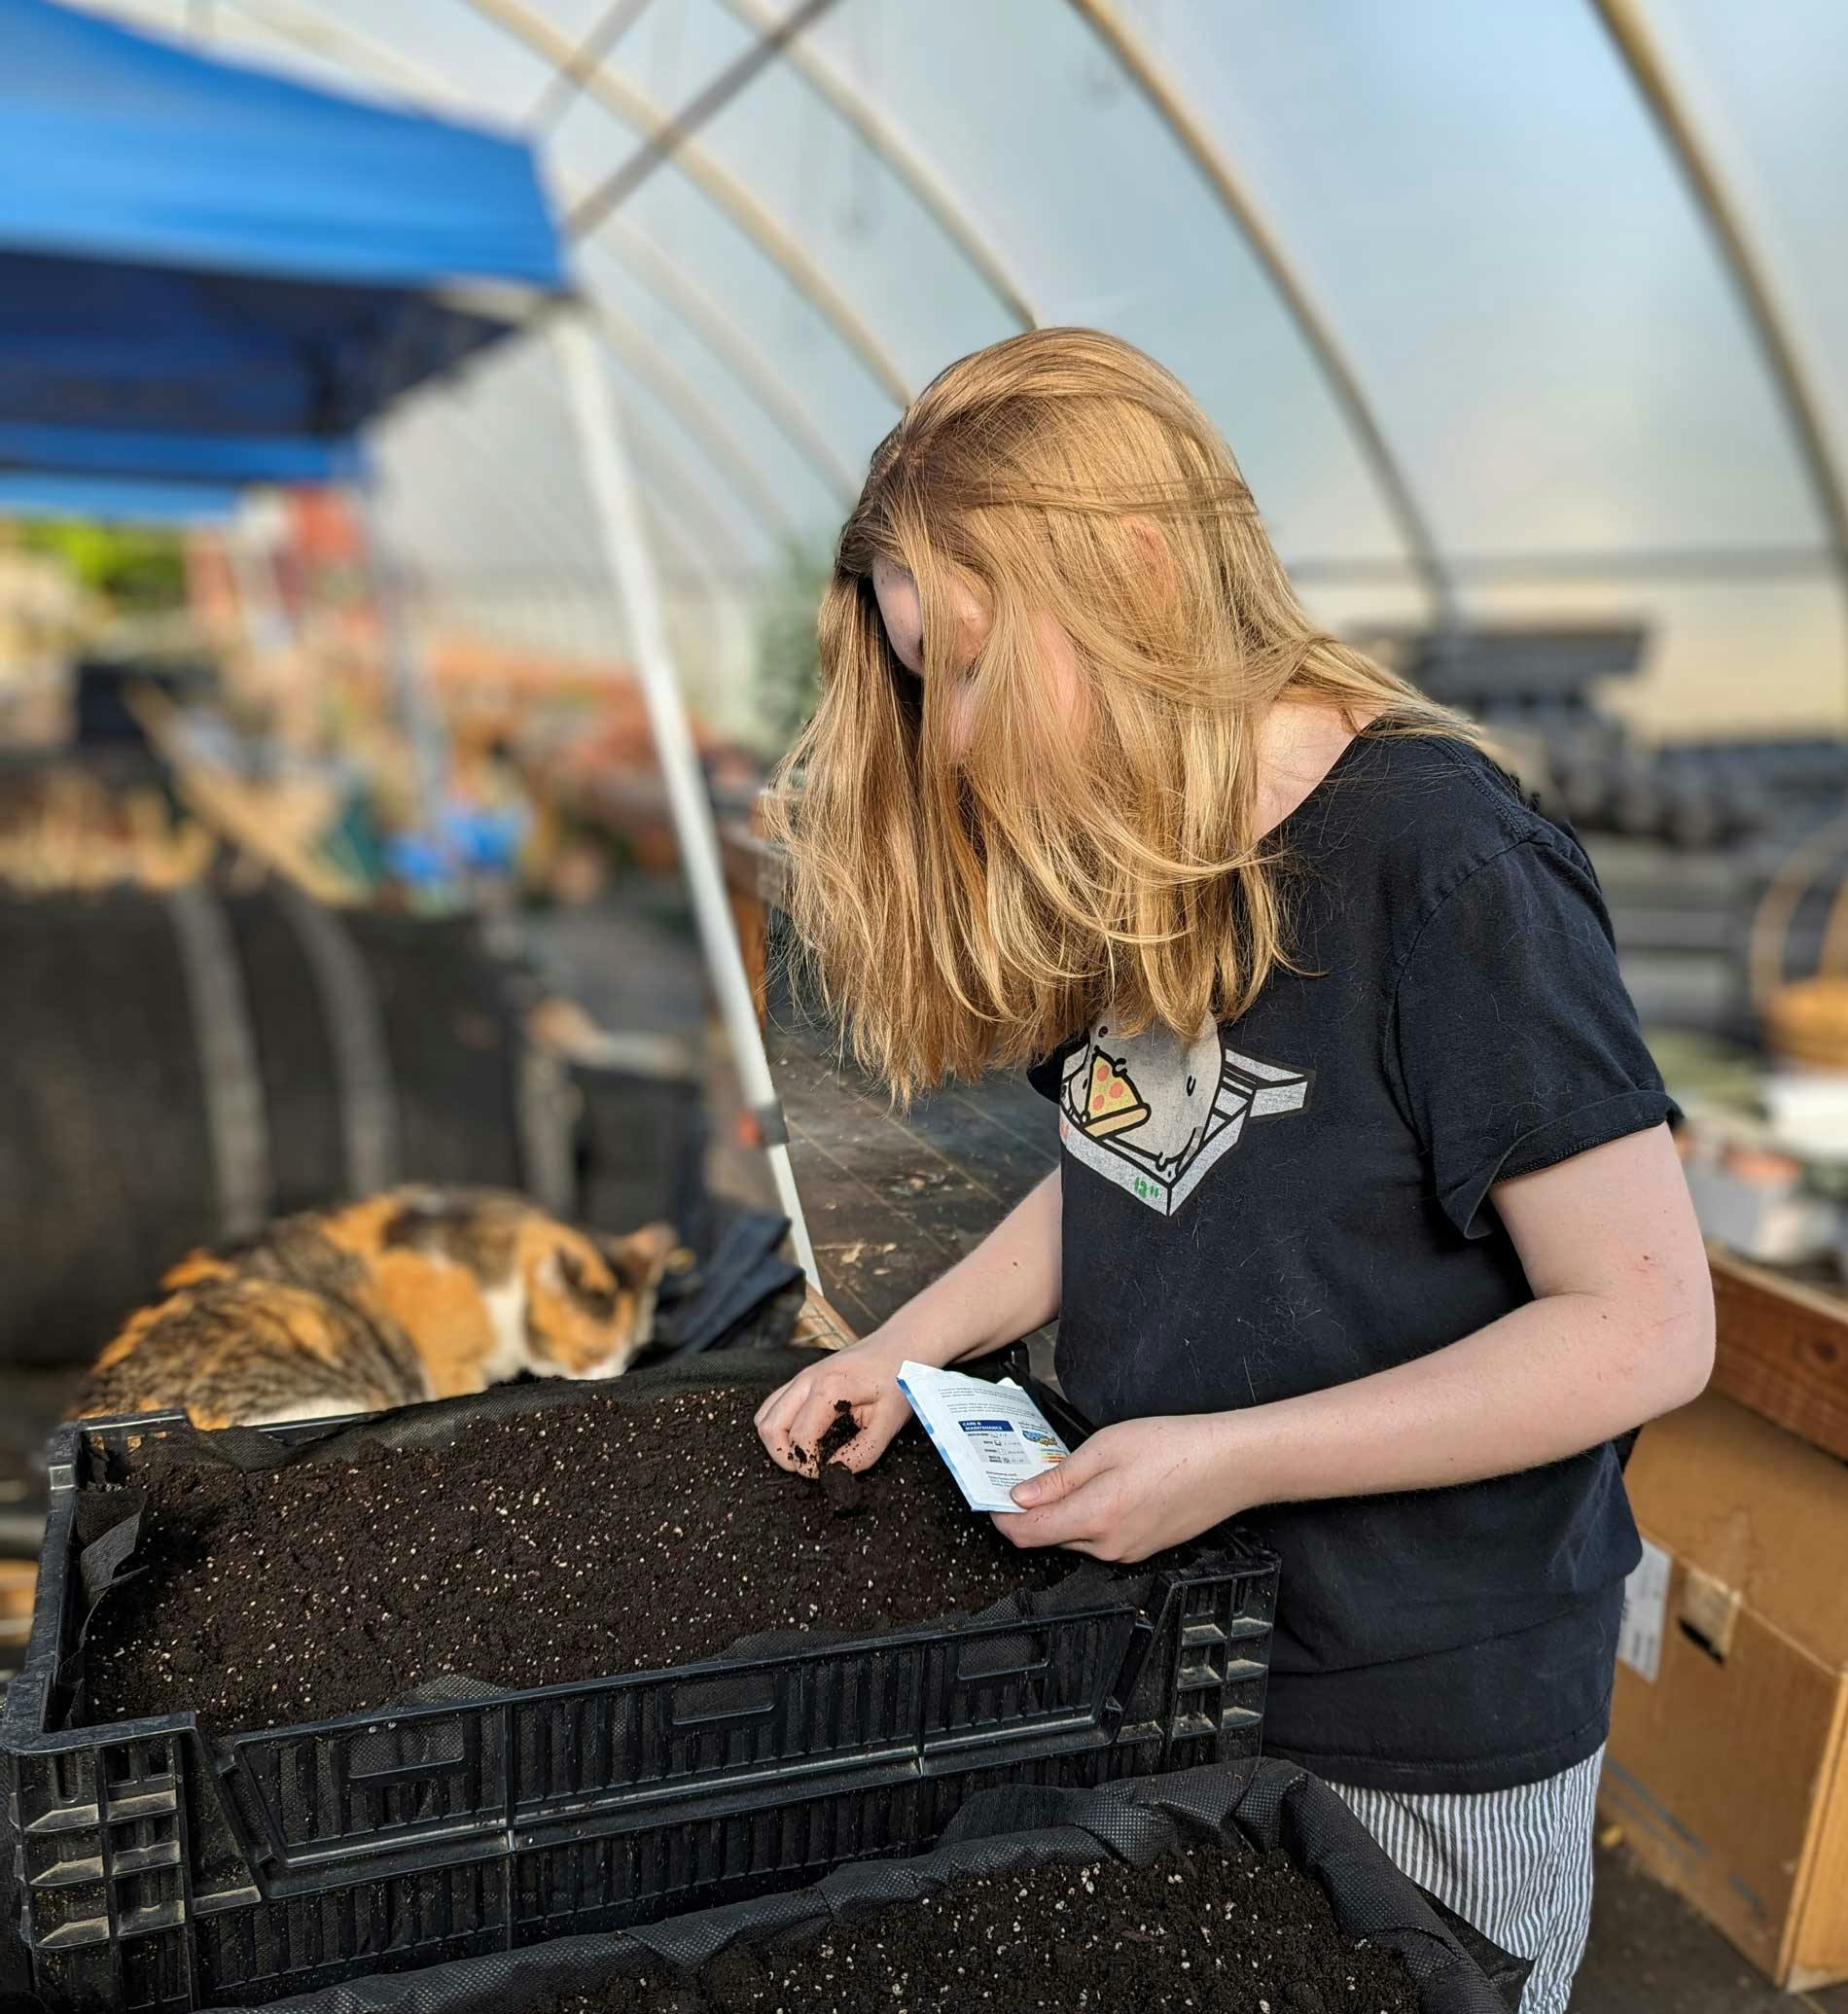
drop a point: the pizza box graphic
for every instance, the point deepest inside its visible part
(1162, 1159)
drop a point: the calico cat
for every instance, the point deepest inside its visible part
(416, 1293)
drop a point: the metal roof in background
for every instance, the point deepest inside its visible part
(1528, 310)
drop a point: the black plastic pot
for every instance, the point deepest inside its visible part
(178, 1068)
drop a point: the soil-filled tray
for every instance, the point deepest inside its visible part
(528, 1550)
(1187, 1892)
(1204, 1930)
(571, 1754)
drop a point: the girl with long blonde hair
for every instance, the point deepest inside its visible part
(1367, 1228)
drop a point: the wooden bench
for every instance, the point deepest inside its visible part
(1782, 1349)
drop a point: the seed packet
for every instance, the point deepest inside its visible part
(991, 1436)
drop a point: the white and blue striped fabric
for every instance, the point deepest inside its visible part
(1515, 1863)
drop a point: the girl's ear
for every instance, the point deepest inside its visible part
(975, 619)
(1147, 534)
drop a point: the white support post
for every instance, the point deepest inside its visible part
(633, 569)
(249, 543)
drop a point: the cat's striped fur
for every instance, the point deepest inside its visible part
(417, 1294)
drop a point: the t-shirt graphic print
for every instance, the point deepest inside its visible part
(1156, 1115)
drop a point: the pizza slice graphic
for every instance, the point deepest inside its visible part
(1156, 1116)
(1112, 1104)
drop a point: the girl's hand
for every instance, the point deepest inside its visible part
(1133, 1489)
(798, 1414)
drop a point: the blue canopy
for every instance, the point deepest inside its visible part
(113, 500)
(224, 458)
(192, 246)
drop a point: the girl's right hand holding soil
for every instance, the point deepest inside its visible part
(1006, 1287)
(792, 1421)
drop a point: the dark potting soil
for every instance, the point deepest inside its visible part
(1206, 1930)
(533, 1549)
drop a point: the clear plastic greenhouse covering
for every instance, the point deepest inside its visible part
(1442, 273)
(190, 246)
(106, 500)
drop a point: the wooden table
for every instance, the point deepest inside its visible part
(895, 1199)
(1782, 1349)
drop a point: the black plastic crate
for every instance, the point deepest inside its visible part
(155, 1869)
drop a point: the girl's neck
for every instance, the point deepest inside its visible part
(1298, 744)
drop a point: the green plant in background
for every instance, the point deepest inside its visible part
(140, 572)
(787, 665)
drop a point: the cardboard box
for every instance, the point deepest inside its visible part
(1729, 1757)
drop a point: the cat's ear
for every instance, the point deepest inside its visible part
(641, 1258)
(196, 1266)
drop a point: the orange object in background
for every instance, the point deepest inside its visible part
(324, 529)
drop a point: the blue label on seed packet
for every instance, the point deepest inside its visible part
(1002, 1438)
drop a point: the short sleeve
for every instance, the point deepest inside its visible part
(1048, 1074)
(1512, 1043)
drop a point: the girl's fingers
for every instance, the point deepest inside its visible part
(1078, 1515)
(798, 1414)
(880, 1420)
(784, 1430)
(1057, 1485)
(776, 1420)
(818, 1415)
(769, 1410)
(769, 1414)
(799, 1433)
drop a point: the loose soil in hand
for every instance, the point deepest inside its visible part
(534, 1549)
(1208, 1930)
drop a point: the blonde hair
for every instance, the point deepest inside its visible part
(972, 883)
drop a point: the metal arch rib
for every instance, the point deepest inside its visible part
(701, 313)
(655, 271)
(706, 517)
(669, 385)
(716, 182)
(562, 87)
(696, 524)
(738, 75)
(685, 514)
(694, 529)
(903, 160)
(1171, 106)
(1635, 44)
(691, 508)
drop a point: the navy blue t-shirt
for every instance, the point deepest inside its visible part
(1299, 1198)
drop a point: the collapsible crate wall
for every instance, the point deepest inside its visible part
(158, 1871)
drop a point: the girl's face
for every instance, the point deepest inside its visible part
(904, 620)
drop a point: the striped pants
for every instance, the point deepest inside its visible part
(1514, 1863)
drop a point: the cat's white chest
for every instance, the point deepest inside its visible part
(510, 1353)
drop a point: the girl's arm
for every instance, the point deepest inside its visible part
(1005, 1289)
(1620, 1329)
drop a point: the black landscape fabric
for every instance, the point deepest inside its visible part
(1283, 1808)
